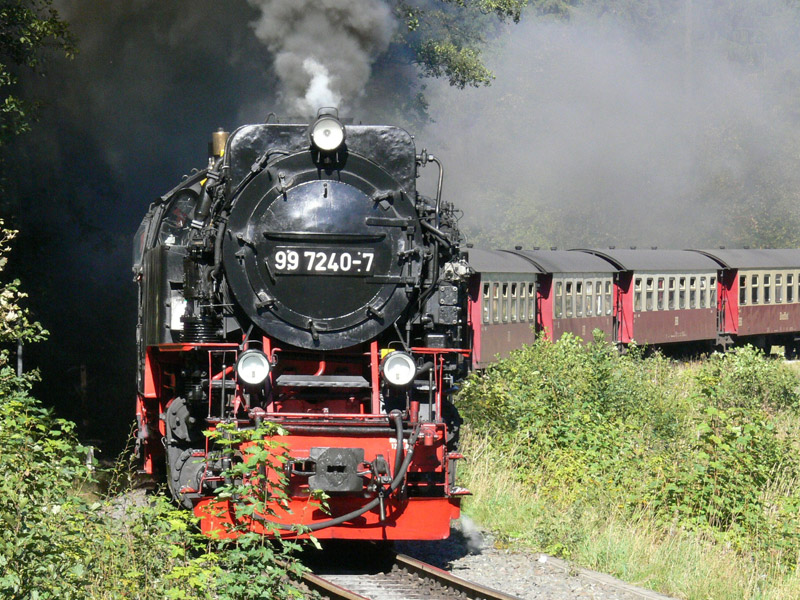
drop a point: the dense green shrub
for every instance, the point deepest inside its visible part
(60, 539)
(581, 409)
(736, 454)
(695, 446)
(42, 520)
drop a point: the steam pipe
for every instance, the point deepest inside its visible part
(397, 417)
(218, 246)
(424, 369)
(432, 158)
(437, 233)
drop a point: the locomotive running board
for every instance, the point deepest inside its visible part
(322, 381)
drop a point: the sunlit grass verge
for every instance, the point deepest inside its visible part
(679, 478)
(635, 548)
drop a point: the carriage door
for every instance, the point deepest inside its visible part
(623, 307)
(727, 305)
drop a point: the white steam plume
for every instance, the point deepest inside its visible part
(323, 49)
(319, 92)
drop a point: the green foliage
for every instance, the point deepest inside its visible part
(60, 539)
(56, 543)
(29, 29)
(42, 521)
(445, 38)
(736, 451)
(701, 448)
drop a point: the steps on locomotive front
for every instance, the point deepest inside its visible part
(322, 381)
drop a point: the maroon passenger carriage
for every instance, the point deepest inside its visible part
(666, 296)
(684, 299)
(515, 294)
(762, 292)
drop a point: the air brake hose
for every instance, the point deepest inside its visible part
(399, 476)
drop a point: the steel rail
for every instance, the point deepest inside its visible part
(447, 579)
(438, 578)
(328, 589)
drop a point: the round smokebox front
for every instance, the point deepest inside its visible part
(321, 264)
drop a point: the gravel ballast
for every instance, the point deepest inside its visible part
(471, 554)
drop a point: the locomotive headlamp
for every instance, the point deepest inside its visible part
(327, 133)
(398, 369)
(253, 367)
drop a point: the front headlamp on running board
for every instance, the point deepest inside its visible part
(253, 367)
(398, 369)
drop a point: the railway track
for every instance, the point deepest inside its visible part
(406, 579)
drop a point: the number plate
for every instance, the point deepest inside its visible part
(297, 260)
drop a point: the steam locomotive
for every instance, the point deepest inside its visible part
(302, 279)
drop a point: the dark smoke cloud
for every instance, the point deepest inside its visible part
(121, 124)
(323, 49)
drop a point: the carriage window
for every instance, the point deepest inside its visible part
(661, 293)
(496, 302)
(712, 292)
(648, 298)
(513, 302)
(789, 287)
(637, 294)
(578, 298)
(598, 290)
(532, 302)
(754, 289)
(486, 298)
(671, 294)
(778, 288)
(742, 290)
(767, 289)
(589, 293)
(703, 293)
(523, 305)
(504, 303)
(693, 292)
(682, 292)
(608, 297)
(559, 307)
(568, 300)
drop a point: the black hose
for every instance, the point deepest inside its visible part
(399, 476)
(424, 369)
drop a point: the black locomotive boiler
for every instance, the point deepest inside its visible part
(302, 279)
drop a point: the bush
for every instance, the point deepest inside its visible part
(60, 540)
(736, 455)
(580, 410)
(696, 447)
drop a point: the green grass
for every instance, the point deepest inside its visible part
(681, 478)
(637, 549)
